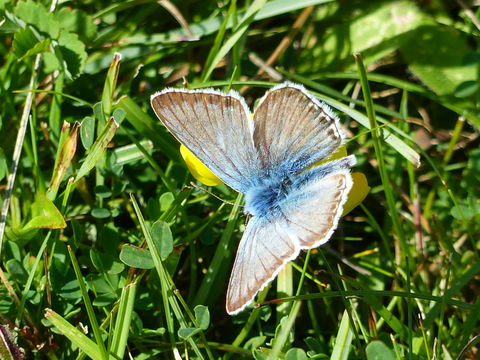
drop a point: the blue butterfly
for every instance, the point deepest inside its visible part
(269, 156)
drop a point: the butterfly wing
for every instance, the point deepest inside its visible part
(216, 127)
(312, 211)
(266, 246)
(306, 219)
(293, 129)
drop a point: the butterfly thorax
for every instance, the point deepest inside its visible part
(265, 198)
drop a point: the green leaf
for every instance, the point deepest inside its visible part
(105, 263)
(45, 215)
(78, 22)
(188, 332)
(430, 57)
(259, 355)
(34, 13)
(15, 268)
(466, 210)
(466, 89)
(119, 115)
(3, 164)
(70, 53)
(10, 23)
(87, 132)
(110, 84)
(166, 200)
(377, 350)
(202, 316)
(314, 345)
(105, 299)
(70, 290)
(100, 213)
(123, 320)
(103, 191)
(98, 112)
(162, 236)
(284, 332)
(103, 283)
(296, 354)
(136, 257)
(26, 43)
(97, 149)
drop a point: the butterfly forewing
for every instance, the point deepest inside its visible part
(293, 130)
(215, 127)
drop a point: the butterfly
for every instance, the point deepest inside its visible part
(270, 156)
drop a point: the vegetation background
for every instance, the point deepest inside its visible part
(105, 253)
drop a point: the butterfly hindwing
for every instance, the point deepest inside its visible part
(304, 220)
(313, 210)
(266, 246)
(215, 127)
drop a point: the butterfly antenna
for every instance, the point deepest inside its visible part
(211, 193)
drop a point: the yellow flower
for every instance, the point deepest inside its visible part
(360, 188)
(198, 169)
(357, 193)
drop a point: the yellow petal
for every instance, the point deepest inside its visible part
(340, 153)
(358, 192)
(198, 169)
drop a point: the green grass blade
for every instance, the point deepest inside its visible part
(206, 27)
(167, 287)
(223, 253)
(18, 149)
(98, 148)
(343, 340)
(123, 320)
(238, 32)
(97, 333)
(218, 40)
(144, 125)
(110, 84)
(284, 333)
(387, 187)
(75, 335)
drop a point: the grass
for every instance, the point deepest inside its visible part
(106, 254)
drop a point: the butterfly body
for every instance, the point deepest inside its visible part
(295, 204)
(265, 198)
